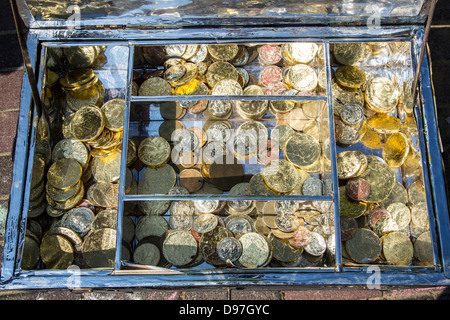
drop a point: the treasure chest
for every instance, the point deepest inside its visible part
(249, 143)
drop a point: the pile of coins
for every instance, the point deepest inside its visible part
(236, 233)
(382, 220)
(75, 182)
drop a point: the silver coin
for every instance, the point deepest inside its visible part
(229, 249)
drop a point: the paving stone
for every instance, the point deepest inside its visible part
(6, 166)
(8, 124)
(134, 295)
(332, 294)
(247, 294)
(206, 295)
(10, 87)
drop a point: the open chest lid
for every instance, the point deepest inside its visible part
(180, 13)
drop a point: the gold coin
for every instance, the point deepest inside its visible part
(350, 77)
(255, 129)
(30, 252)
(221, 70)
(223, 52)
(175, 72)
(395, 150)
(87, 123)
(384, 123)
(114, 110)
(342, 96)
(364, 247)
(37, 175)
(381, 95)
(107, 169)
(258, 187)
(171, 110)
(154, 151)
(62, 195)
(302, 150)
(398, 194)
(255, 250)
(281, 134)
(300, 52)
(416, 192)
(180, 247)
(190, 74)
(157, 180)
(348, 53)
(297, 119)
(349, 164)
(227, 87)
(397, 248)
(56, 252)
(380, 177)
(155, 87)
(168, 127)
(303, 78)
(423, 248)
(64, 173)
(280, 176)
(99, 248)
(419, 215)
(400, 213)
(77, 78)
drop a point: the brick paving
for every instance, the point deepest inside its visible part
(10, 86)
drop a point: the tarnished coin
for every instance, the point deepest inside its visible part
(256, 186)
(208, 245)
(416, 192)
(185, 140)
(350, 76)
(255, 250)
(364, 247)
(157, 181)
(419, 215)
(380, 177)
(99, 248)
(280, 176)
(342, 96)
(301, 237)
(30, 252)
(351, 114)
(302, 150)
(300, 52)
(357, 189)
(56, 252)
(155, 87)
(179, 247)
(229, 249)
(348, 207)
(397, 248)
(114, 111)
(348, 227)
(312, 187)
(168, 127)
(224, 172)
(105, 219)
(87, 123)
(381, 95)
(64, 173)
(171, 110)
